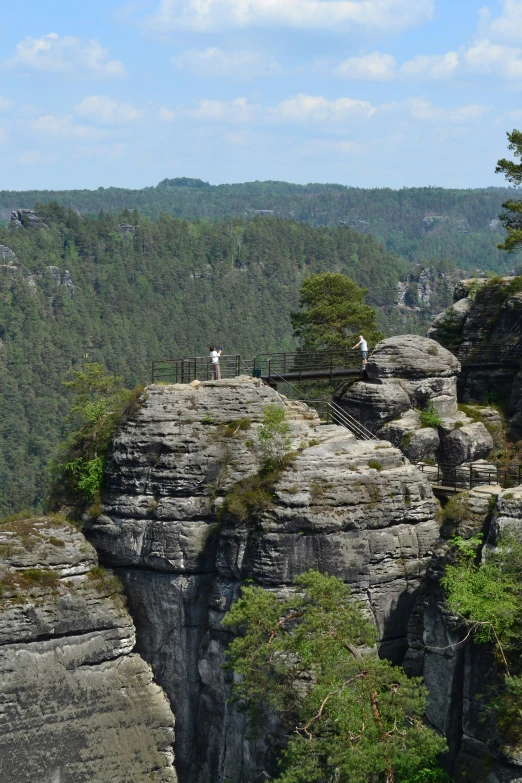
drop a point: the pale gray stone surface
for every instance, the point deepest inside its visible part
(411, 356)
(456, 313)
(77, 705)
(345, 507)
(467, 444)
(374, 404)
(391, 407)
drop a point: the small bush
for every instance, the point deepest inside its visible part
(95, 510)
(87, 474)
(255, 494)
(105, 581)
(274, 435)
(56, 541)
(235, 427)
(40, 576)
(207, 419)
(429, 417)
(406, 440)
(375, 464)
(249, 498)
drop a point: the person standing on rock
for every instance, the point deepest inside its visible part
(364, 349)
(214, 357)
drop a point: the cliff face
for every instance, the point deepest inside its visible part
(487, 313)
(349, 508)
(76, 704)
(461, 676)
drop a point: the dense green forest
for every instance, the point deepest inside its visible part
(415, 223)
(168, 289)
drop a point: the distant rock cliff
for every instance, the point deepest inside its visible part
(77, 705)
(487, 313)
(349, 508)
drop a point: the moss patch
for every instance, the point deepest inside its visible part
(255, 494)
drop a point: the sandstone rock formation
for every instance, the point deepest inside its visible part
(457, 673)
(26, 218)
(486, 313)
(406, 375)
(183, 532)
(6, 252)
(76, 705)
(413, 357)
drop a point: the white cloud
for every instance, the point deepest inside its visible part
(106, 152)
(374, 66)
(326, 147)
(215, 63)
(505, 27)
(481, 57)
(64, 127)
(65, 54)
(166, 115)
(423, 110)
(313, 108)
(100, 108)
(208, 15)
(438, 66)
(487, 57)
(5, 104)
(235, 111)
(35, 158)
(329, 113)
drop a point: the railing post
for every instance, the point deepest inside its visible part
(238, 364)
(471, 477)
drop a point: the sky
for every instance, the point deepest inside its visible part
(366, 93)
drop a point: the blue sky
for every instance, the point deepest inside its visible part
(371, 93)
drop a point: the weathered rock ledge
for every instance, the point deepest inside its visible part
(77, 705)
(355, 509)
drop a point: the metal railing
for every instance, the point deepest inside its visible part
(297, 365)
(336, 415)
(330, 363)
(485, 355)
(470, 476)
(198, 368)
(509, 351)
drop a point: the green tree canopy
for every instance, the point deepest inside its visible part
(512, 217)
(332, 312)
(351, 717)
(487, 596)
(99, 403)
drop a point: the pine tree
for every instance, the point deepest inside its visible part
(332, 313)
(351, 717)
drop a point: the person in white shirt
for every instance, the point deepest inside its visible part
(364, 349)
(214, 357)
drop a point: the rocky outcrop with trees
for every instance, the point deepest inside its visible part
(409, 397)
(189, 514)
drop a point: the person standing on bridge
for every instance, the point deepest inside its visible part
(364, 349)
(214, 357)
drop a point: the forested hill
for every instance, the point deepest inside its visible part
(415, 223)
(156, 289)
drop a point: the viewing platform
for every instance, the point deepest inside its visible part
(272, 368)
